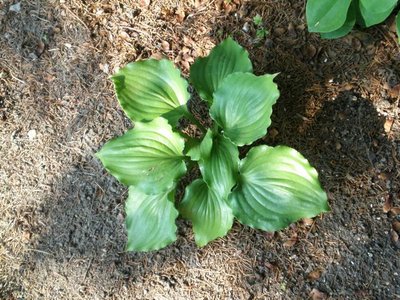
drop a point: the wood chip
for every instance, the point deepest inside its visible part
(180, 15)
(310, 51)
(388, 125)
(387, 206)
(314, 275)
(395, 211)
(394, 92)
(317, 295)
(308, 221)
(144, 3)
(394, 236)
(279, 31)
(273, 132)
(165, 45)
(396, 226)
(290, 242)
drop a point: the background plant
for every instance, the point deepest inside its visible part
(336, 18)
(261, 31)
(268, 189)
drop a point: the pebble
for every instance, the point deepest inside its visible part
(15, 7)
(246, 27)
(31, 134)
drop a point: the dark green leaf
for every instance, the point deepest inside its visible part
(148, 156)
(210, 214)
(277, 186)
(207, 73)
(326, 15)
(150, 220)
(151, 88)
(376, 11)
(347, 26)
(243, 106)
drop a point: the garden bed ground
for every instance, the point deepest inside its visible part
(61, 214)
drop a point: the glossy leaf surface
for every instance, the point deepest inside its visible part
(243, 106)
(209, 212)
(207, 73)
(326, 15)
(277, 186)
(150, 220)
(346, 27)
(151, 88)
(376, 11)
(148, 156)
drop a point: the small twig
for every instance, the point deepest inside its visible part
(87, 269)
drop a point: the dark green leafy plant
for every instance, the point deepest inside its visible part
(269, 189)
(336, 18)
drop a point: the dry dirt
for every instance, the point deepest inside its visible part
(61, 214)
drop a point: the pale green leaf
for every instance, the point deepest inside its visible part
(277, 186)
(347, 26)
(150, 220)
(209, 212)
(207, 73)
(326, 15)
(151, 88)
(243, 106)
(376, 11)
(148, 156)
(219, 161)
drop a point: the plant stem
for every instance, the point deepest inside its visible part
(215, 127)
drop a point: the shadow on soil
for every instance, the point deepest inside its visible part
(84, 235)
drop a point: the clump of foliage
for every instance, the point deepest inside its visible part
(269, 189)
(261, 32)
(335, 18)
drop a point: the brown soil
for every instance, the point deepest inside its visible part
(61, 225)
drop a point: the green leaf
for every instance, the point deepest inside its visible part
(150, 220)
(398, 26)
(148, 156)
(243, 106)
(257, 20)
(277, 186)
(347, 26)
(202, 148)
(207, 73)
(261, 33)
(219, 162)
(376, 11)
(151, 88)
(210, 214)
(326, 15)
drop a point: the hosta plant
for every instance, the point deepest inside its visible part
(335, 18)
(269, 189)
